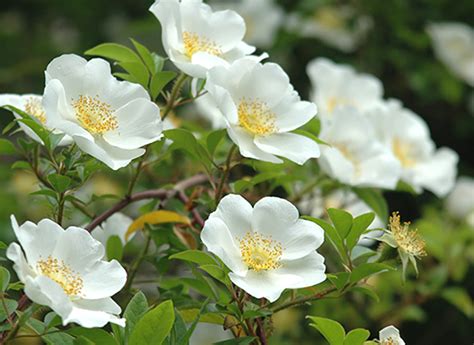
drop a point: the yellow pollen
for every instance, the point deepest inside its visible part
(62, 274)
(94, 115)
(259, 252)
(329, 17)
(193, 43)
(408, 240)
(389, 341)
(255, 117)
(403, 153)
(34, 107)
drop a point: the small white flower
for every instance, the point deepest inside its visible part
(30, 104)
(267, 247)
(196, 39)
(262, 19)
(460, 202)
(408, 137)
(390, 335)
(337, 85)
(261, 108)
(332, 25)
(64, 270)
(453, 44)
(109, 119)
(207, 108)
(208, 333)
(355, 156)
(116, 225)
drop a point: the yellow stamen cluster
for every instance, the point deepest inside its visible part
(259, 252)
(62, 274)
(193, 43)
(94, 115)
(256, 118)
(389, 341)
(34, 108)
(403, 153)
(408, 240)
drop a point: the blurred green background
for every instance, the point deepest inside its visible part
(397, 50)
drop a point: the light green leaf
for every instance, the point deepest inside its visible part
(4, 279)
(359, 225)
(342, 221)
(196, 256)
(60, 183)
(154, 326)
(6, 147)
(137, 70)
(375, 200)
(356, 336)
(136, 308)
(330, 329)
(216, 272)
(159, 81)
(114, 51)
(145, 54)
(365, 270)
(114, 248)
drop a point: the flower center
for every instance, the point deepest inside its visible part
(389, 341)
(330, 18)
(94, 115)
(193, 43)
(255, 117)
(259, 252)
(56, 270)
(408, 240)
(34, 107)
(402, 151)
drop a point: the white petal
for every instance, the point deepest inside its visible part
(295, 147)
(94, 313)
(292, 113)
(304, 272)
(247, 146)
(103, 279)
(117, 224)
(391, 332)
(236, 213)
(22, 269)
(258, 284)
(336, 165)
(301, 239)
(68, 69)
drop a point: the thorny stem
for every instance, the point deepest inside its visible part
(174, 95)
(225, 174)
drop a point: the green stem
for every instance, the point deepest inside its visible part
(174, 95)
(61, 204)
(136, 264)
(225, 174)
(134, 179)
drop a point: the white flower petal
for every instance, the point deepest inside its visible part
(301, 239)
(247, 146)
(94, 313)
(117, 224)
(22, 269)
(258, 284)
(235, 212)
(303, 272)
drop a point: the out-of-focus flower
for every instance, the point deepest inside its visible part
(408, 242)
(460, 202)
(196, 39)
(116, 225)
(208, 109)
(64, 270)
(30, 104)
(337, 26)
(208, 333)
(109, 119)
(390, 335)
(408, 137)
(453, 44)
(261, 109)
(267, 247)
(355, 157)
(337, 85)
(262, 19)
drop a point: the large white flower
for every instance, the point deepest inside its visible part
(109, 119)
(261, 109)
(453, 43)
(337, 85)
(408, 137)
(116, 225)
(460, 202)
(267, 247)
(355, 156)
(390, 335)
(196, 38)
(30, 104)
(337, 26)
(64, 270)
(262, 19)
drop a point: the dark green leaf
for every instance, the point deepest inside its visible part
(359, 225)
(136, 308)
(159, 81)
(342, 221)
(365, 270)
(6, 147)
(11, 307)
(213, 140)
(237, 341)
(94, 335)
(114, 248)
(196, 256)
(60, 183)
(4, 279)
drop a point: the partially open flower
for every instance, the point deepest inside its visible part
(65, 270)
(390, 335)
(267, 247)
(196, 38)
(116, 225)
(109, 119)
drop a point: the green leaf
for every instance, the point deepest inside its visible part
(154, 326)
(196, 256)
(21, 165)
(213, 140)
(356, 336)
(145, 54)
(359, 225)
(60, 183)
(4, 279)
(126, 76)
(159, 81)
(460, 299)
(330, 329)
(82, 341)
(45, 192)
(375, 200)
(216, 272)
(114, 51)
(33, 124)
(237, 341)
(368, 269)
(342, 221)
(11, 307)
(184, 339)
(94, 335)
(339, 279)
(368, 292)
(136, 308)
(114, 248)
(311, 136)
(333, 235)
(6, 147)
(137, 70)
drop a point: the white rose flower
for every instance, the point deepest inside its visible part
(267, 247)
(453, 44)
(337, 85)
(262, 19)
(460, 202)
(109, 119)
(390, 335)
(332, 25)
(64, 270)
(196, 39)
(408, 137)
(355, 157)
(116, 225)
(261, 108)
(30, 104)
